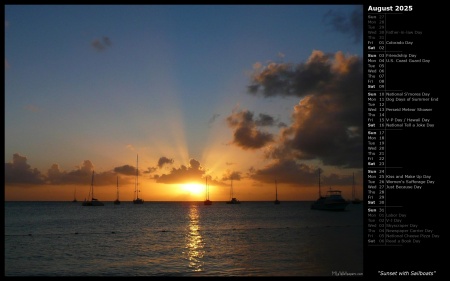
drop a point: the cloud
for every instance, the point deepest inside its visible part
(126, 170)
(101, 44)
(232, 175)
(327, 123)
(246, 134)
(318, 75)
(81, 175)
(150, 170)
(351, 25)
(282, 125)
(55, 175)
(164, 160)
(264, 120)
(298, 174)
(337, 180)
(213, 118)
(286, 171)
(184, 174)
(20, 172)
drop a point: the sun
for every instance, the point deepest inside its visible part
(194, 188)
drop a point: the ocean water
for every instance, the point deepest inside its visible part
(181, 239)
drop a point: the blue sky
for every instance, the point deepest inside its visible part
(105, 83)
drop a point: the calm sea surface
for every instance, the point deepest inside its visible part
(181, 239)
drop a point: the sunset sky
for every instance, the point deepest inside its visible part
(241, 94)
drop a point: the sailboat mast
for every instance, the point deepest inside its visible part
(231, 190)
(206, 186)
(276, 190)
(320, 195)
(92, 185)
(137, 176)
(353, 187)
(117, 187)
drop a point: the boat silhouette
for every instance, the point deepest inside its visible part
(332, 201)
(207, 201)
(91, 200)
(137, 200)
(117, 201)
(233, 200)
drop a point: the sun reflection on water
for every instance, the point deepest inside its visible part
(194, 242)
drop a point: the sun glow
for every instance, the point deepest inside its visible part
(194, 188)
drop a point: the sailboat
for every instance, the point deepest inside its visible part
(332, 201)
(276, 194)
(117, 201)
(75, 195)
(137, 200)
(207, 201)
(233, 199)
(355, 200)
(91, 200)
